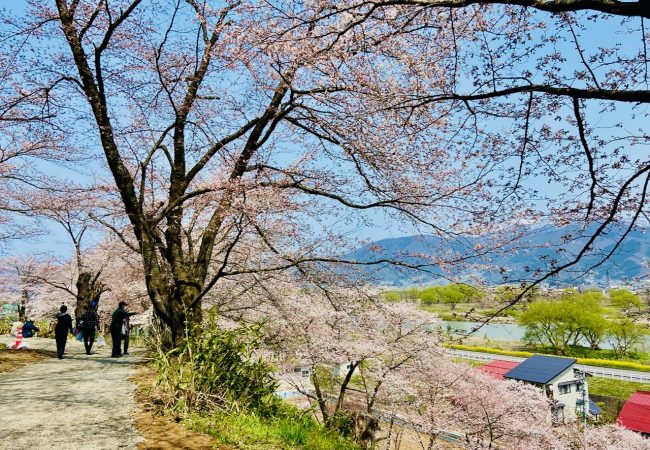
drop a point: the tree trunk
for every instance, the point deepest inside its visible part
(322, 404)
(180, 313)
(89, 289)
(22, 306)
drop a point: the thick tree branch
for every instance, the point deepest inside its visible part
(627, 95)
(639, 8)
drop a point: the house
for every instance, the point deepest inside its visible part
(341, 369)
(559, 378)
(304, 371)
(635, 414)
(498, 367)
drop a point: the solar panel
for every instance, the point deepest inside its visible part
(540, 369)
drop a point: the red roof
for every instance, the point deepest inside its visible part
(635, 414)
(498, 367)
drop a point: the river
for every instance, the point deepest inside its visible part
(496, 331)
(506, 332)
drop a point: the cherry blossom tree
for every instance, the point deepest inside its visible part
(396, 377)
(72, 210)
(52, 281)
(28, 144)
(536, 83)
(250, 128)
(605, 437)
(394, 367)
(271, 120)
(371, 340)
(489, 413)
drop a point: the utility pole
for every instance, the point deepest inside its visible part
(585, 406)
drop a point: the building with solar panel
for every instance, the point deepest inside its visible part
(559, 378)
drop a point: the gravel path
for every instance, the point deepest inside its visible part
(80, 402)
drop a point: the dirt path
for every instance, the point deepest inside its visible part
(79, 402)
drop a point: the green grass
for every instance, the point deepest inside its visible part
(615, 388)
(290, 430)
(471, 362)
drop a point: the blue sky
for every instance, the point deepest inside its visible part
(55, 240)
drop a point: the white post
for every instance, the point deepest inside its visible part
(585, 407)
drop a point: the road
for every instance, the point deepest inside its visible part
(79, 402)
(605, 372)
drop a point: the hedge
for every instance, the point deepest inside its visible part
(496, 351)
(612, 364)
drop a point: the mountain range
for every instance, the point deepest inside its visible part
(533, 255)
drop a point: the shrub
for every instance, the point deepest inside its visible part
(392, 296)
(46, 328)
(495, 351)
(342, 422)
(5, 326)
(215, 368)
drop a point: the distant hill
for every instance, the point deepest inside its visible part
(537, 251)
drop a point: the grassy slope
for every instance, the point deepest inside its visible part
(251, 432)
(615, 388)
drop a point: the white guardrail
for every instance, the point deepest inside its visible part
(596, 371)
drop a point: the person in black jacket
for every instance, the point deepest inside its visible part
(63, 326)
(117, 320)
(90, 324)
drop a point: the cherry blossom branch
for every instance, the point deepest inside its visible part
(613, 210)
(224, 263)
(191, 174)
(115, 231)
(590, 159)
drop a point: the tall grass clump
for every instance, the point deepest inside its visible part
(216, 382)
(213, 369)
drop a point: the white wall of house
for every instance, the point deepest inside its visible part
(342, 370)
(568, 394)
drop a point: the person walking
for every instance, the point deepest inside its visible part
(90, 321)
(63, 326)
(117, 322)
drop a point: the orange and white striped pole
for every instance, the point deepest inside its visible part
(19, 337)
